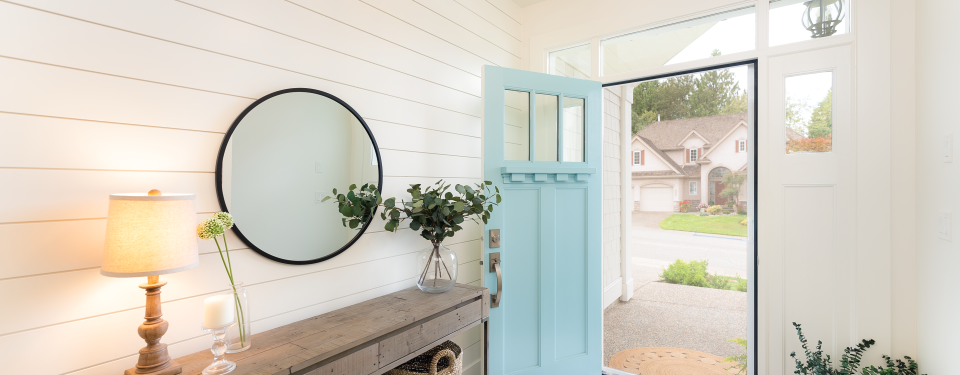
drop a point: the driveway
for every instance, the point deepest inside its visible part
(667, 315)
(655, 248)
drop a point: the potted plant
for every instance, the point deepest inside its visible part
(817, 363)
(703, 207)
(684, 206)
(436, 211)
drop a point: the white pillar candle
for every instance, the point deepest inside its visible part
(218, 311)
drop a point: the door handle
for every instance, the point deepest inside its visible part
(495, 267)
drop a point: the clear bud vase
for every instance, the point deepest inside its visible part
(238, 335)
(436, 268)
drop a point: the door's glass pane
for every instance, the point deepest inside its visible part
(516, 114)
(547, 126)
(572, 129)
(799, 20)
(571, 62)
(700, 38)
(809, 113)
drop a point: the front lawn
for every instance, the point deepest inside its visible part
(728, 225)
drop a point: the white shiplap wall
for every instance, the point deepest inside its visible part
(110, 96)
(612, 279)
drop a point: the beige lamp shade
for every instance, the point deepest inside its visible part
(149, 235)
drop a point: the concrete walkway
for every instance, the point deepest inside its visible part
(667, 315)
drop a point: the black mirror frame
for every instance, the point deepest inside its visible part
(219, 174)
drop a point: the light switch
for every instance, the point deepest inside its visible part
(319, 168)
(319, 196)
(948, 148)
(945, 226)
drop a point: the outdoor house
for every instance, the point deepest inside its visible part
(686, 159)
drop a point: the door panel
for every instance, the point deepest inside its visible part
(809, 238)
(548, 320)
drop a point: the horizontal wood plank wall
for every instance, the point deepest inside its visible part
(611, 196)
(110, 96)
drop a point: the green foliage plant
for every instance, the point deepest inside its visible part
(898, 368)
(817, 363)
(740, 359)
(694, 273)
(715, 210)
(357, 206)
(436, 211)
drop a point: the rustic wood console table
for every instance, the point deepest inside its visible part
(368, 338)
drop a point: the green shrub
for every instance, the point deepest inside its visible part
(743, 222)
(741, 285)
(741, 211)
(693, 273)
(704, 214)
(715, 210)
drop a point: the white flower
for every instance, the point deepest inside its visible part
(225, 218)
(210, 228)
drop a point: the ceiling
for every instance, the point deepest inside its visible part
(524, 3)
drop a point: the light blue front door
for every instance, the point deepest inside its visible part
(542, 149)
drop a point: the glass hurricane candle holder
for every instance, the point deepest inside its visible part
(220, 364)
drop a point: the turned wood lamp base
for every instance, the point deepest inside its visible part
(154, 359)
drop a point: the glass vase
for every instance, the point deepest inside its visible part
(238, 335)
(436, 268)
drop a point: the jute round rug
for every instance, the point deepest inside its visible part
(670, 361)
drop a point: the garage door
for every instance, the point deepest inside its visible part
(656, 199)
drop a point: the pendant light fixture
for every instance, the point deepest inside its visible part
(822, 17)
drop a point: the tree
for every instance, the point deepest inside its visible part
(693, 95)
(821, 119)
(733, 181)
(796, 110)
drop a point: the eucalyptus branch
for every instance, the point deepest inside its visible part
(436, 211)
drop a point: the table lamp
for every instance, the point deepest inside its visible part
(150, 235)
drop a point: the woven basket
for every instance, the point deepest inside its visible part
(444, 359)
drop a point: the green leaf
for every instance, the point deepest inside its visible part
(460, 189)
(488, 182)
(414, 225)
(351, 196)
(389, 226)
(353, 186)
(498, 198)
(458, 206)
(344, 220)
(449, 195)
(357, 210)
(354, 223)
(346, 211)
(457, 219)
(334, 191)
(390, 203)
(325, 199)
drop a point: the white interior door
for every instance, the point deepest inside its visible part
(807, 238)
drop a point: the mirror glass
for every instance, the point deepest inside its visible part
(282, 156)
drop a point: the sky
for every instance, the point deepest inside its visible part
(738, 34)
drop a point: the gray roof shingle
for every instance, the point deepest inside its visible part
(665, 135)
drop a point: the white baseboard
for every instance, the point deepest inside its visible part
(612, 292)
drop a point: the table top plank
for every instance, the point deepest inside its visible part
(315, 339)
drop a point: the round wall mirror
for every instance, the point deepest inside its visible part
(281, 156)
